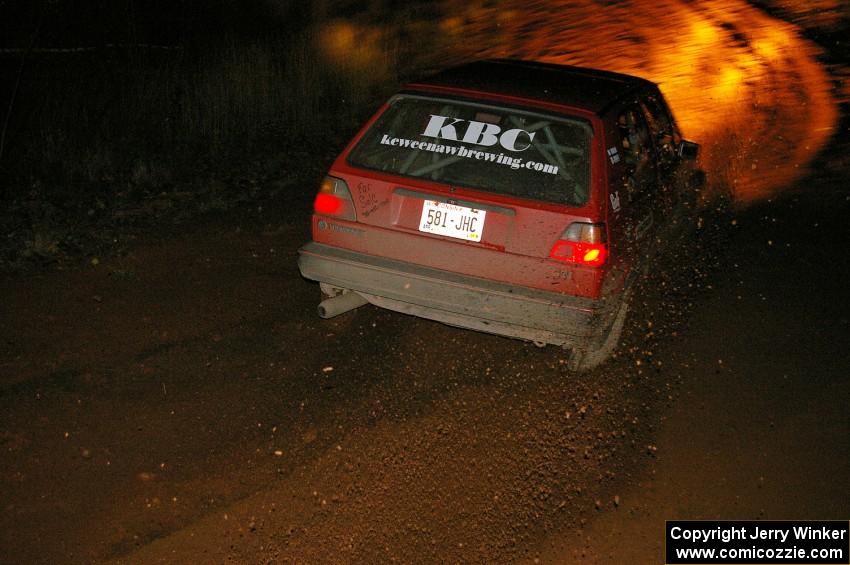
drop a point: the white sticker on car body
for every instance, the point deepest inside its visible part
(461, 152)
(477, 133)
(615, 201)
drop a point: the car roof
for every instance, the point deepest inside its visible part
(591, 89)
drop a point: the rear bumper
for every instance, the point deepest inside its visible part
(457, 300)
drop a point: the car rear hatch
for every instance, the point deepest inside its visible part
(469, 187)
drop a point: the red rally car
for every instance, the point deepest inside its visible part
(510, 197)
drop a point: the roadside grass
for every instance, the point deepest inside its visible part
(114, 117)
(97, 138)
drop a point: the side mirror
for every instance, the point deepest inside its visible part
(688, 150)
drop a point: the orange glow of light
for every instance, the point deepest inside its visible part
(703, 33)
(728, 84)
(342, 37)
(766, 48)
(452, 25)
(351, 46)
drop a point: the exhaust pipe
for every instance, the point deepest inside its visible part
(340, 304)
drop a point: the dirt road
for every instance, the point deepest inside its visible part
(184, 404)
(760, 428)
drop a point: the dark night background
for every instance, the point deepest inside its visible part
(106, 105)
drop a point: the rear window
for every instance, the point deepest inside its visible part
(502, 150)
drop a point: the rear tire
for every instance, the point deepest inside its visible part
(584, 359)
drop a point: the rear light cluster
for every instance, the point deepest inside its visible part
(581, 244)
(334, 199)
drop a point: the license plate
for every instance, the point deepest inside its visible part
(452, 220)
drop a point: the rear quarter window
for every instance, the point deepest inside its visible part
(507, 151)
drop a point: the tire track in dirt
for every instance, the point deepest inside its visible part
(480, 445)
(160, 401)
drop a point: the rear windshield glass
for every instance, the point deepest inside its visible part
(502, 150)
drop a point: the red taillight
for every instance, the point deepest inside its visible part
(334, 199)
(591, 254)
(328, 204)
(581, 244)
